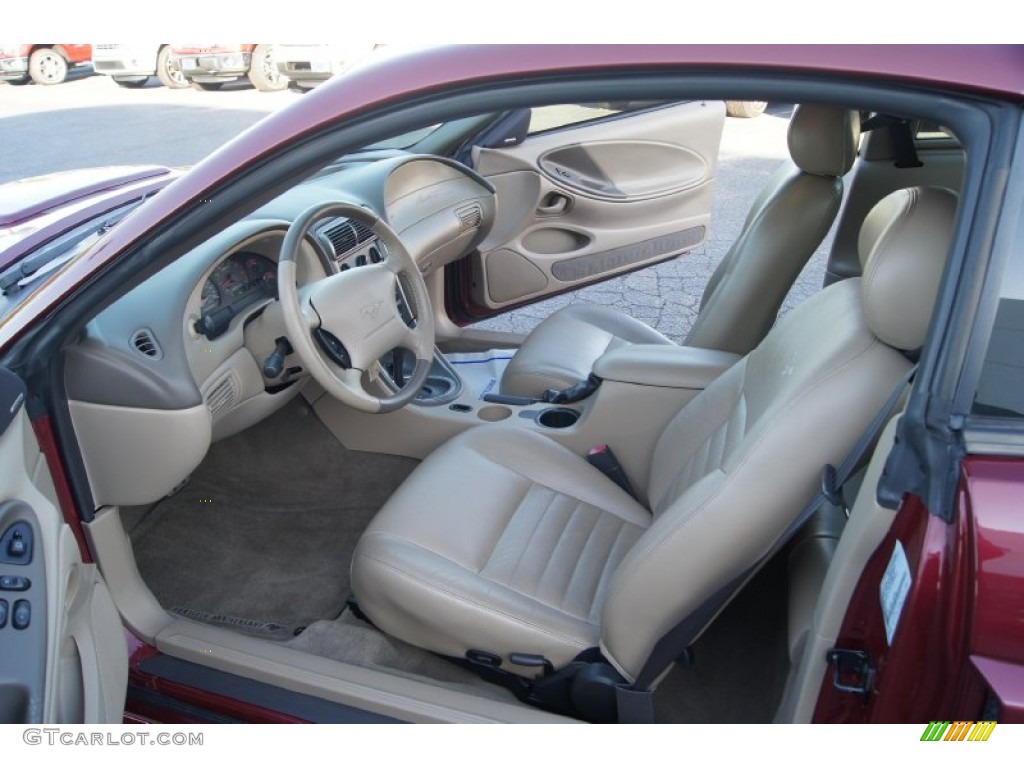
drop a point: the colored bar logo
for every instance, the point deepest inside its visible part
(943, 730)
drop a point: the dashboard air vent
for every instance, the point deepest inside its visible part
(145, 343)
(470, 216)
(222, 396)
(346, 235)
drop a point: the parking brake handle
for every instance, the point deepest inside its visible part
(581, 390)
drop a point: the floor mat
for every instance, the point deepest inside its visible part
(261, 537)
(740, 662)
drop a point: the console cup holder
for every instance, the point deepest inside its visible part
(558, 418)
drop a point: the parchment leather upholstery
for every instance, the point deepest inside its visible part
(505, 541)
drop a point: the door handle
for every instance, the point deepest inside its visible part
(553, 204)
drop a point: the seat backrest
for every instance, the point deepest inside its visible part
(737, 464)
(783, 229)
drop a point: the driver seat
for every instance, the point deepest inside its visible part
(505, 541)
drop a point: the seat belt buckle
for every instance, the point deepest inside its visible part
(829, 488)
(602, 457)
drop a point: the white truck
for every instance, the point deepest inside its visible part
(131, 65)
(306, 66)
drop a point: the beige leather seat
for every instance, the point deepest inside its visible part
(504, 541)
(784, 227)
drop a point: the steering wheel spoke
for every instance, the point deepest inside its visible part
(353, 377)
(367, 311)
(308, 315)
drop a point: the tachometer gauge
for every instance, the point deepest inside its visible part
(211, 297)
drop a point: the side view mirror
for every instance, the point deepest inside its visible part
(510, 130)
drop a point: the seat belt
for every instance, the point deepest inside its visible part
(636, 701)
(904, 150)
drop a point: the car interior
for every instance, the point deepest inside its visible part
(312, 468)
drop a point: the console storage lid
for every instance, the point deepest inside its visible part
(664, 365)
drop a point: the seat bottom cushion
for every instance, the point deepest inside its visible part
(562, 350)
(501, 541)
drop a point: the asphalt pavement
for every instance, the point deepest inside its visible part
(91, 121)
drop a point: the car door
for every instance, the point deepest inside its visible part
(63, 653)
(934, 628)
(593, 191)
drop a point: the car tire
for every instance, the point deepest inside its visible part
(168, 70)
(263, 72)
(131, 82)
(208, 86)
(745, 108)
(47, 67)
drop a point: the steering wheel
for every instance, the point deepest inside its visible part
(341, 325)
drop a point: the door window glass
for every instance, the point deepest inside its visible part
(1000, 389)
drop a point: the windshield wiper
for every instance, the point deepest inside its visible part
(29, 266)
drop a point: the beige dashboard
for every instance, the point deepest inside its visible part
(183, 355)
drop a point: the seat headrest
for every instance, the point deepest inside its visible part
(903, 245)
(823, 140)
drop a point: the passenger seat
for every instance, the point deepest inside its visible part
(784, 228)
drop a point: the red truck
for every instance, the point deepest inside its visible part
(42, 63)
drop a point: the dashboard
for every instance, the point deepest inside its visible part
(189, 345)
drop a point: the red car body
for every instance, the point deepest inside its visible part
(961, 649)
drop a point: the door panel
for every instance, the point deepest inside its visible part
(63, 655)
(581, 204)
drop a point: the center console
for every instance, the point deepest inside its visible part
(642, 388)
(442, 386)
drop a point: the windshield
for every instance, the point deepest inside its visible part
(403, 140)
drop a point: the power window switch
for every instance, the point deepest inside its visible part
(14, 583)
(22, 615)
(17, 546)
(3, 613)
